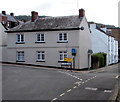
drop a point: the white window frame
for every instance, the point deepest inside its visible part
(20, 56)
(40, 55)
(20, 38)
(62, 37)
(40, 37)
(62, 55)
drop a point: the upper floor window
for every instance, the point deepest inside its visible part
(62, 55)
(20, 55)
(62, 37)
(20, 38)
(40, 37)
(40, 55)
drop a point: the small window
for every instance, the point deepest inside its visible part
(20, 55)
(62, 37)
(62, 55)
(20, 38)
(40, 38)
(40, 55)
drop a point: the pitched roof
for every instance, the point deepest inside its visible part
(50, 23)
(10, 18)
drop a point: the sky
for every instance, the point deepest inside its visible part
(99, 11)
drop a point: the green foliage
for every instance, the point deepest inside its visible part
(98, 60)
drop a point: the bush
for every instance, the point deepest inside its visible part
(98, 60)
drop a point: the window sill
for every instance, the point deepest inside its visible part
(62, 41)
(40, 61)
(40, 42)
(20, 42)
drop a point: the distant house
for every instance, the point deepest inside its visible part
(102, 42)
(8, 20)
(48, 41)
(3, 43)
(115, 32)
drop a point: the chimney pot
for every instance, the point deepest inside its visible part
(81, 13)
(34, 16)
(12, 14)
(4, 12)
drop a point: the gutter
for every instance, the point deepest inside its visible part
(36, 30)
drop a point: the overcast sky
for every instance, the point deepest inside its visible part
(100, 11)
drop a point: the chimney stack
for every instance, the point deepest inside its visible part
(4, 12)
(11, 14)
(34, 16)
(81, 13)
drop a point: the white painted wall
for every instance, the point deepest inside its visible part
(113, 50)
(104, 43)
(99, 41)
(77, 39)
(3, 44)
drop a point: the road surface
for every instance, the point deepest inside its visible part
(34, 83)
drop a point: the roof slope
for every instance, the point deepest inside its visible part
(10, 18)
(64, 22)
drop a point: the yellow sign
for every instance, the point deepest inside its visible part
(68, 59)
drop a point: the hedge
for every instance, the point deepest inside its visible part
(98, 60)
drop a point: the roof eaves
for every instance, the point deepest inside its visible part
(36, 30)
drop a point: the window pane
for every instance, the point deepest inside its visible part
(43, 56)
(65, 36)
(60, 36)
(40, 55)
(18, 38)
(20, 56)
(22, 38)
(62, 55)
(40, 37)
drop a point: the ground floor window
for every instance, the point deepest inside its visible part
(40, 55)
(20, 55)
(62, 55)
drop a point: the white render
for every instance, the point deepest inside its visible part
(3, 44)
(101, 42)
(78, 39)
(113, 50)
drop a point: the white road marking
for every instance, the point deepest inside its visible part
(62, 94)
(71, 75)
(75, 87)
(53, 99)
(79, 84)
(69, 90)
(90, 88)
(117, 77)
(109, 91)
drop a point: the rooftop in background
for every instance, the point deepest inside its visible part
(51, 23)
(9, 21)
(10, 17)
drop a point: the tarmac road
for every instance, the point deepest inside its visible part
(29, 83)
